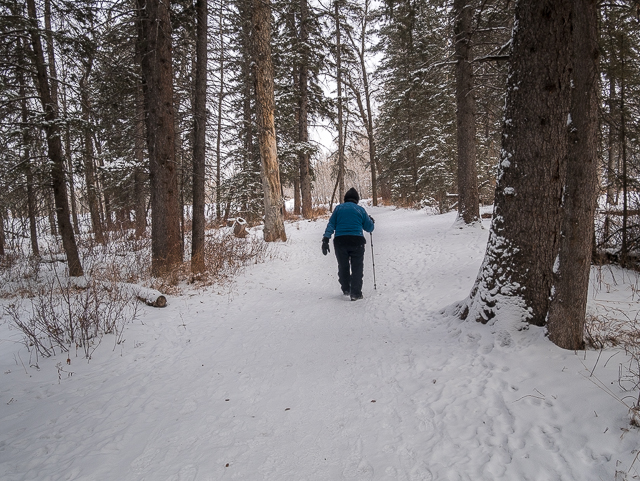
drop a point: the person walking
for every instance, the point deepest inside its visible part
(348, 221)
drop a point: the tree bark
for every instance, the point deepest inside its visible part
(303, 114)
(265, 109)
(571, 283)
(54, 144)
(199, 143)
(517, 271)
(468, 199)
(157, 73)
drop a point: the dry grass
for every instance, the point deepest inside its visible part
(316, 213)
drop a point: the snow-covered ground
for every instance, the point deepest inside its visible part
(283, 378)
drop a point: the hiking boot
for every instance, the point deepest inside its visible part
(355, 297)
(346, 293)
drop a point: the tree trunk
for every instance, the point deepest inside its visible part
(468, 200)
(54, 144)
(1, 235)
(612, 185)
(369, 119)
(248, 97)
(140, 169)
(199, 143)
(72, 184)
(88, 158)
(296, 196)
(365, 115)
(517, 271)
(303, 115)
(624, 250)
(154, 28)
(51, 57)
(340, 114)
(26, 139)
(265, 109)
(31, 206)
(51, 211)
(219, 123)
(571, 284)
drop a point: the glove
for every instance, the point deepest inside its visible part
(372, 220)
(325, 245)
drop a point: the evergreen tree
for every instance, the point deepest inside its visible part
(619, 125)
(416, 124)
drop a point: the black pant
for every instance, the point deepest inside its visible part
(350, 267)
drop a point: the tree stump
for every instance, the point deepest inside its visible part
(240, 228)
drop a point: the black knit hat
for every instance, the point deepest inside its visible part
(352, 195)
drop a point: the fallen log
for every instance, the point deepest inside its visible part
(150, 297)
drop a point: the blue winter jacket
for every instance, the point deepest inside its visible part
(348, 219)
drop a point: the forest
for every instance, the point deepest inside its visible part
(167, 170)
(151, 125)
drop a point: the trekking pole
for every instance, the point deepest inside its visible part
(373, 260)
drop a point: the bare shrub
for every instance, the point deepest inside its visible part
(617, 329)
(225, 255)
(63, 316)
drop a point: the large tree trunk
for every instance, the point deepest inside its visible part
(265, 109)
(303, 115)
(199, 143)
(157, 74)
(571, 284)
(89, 158)
(54, 144)
(468, 200)
(517, 271)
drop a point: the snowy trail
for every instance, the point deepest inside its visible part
(286, 379)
